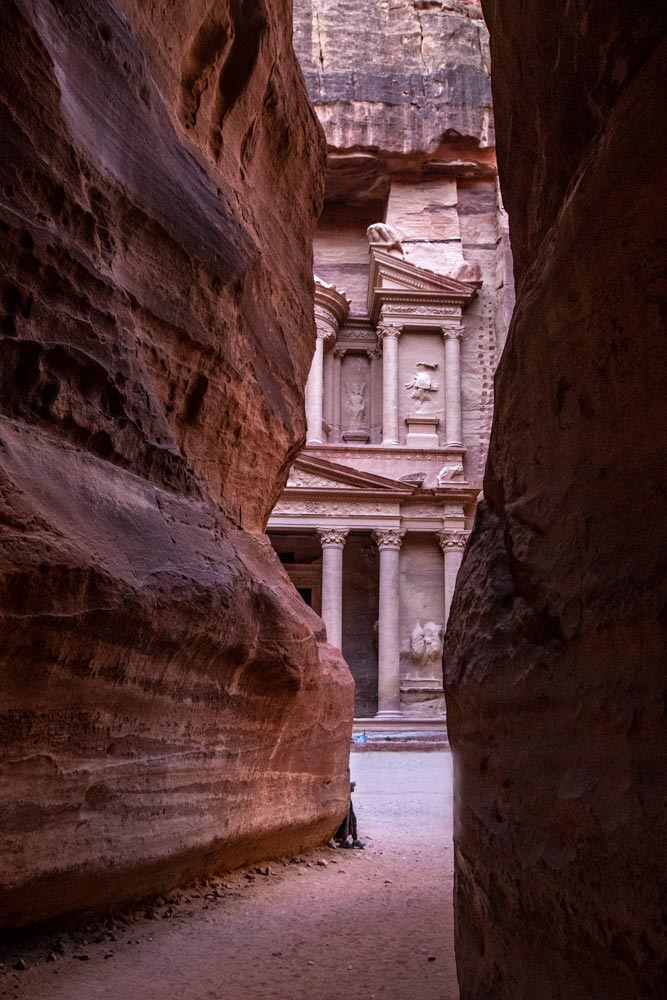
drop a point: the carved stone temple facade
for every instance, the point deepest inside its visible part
(411, 306)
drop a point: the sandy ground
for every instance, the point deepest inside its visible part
(373, 924)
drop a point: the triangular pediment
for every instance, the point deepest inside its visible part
(397, 274)
(310, 473)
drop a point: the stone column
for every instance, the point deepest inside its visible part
(389, 644)
(452, 544)
(375, 358)
(328, 392)
(333, 540)
(338, 356)
(314, 394)
(453, 428)
(390, 335)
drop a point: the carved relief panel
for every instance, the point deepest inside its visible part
(356, 397)
(422, 385)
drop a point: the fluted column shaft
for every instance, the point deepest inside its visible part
(314, 394)
(390, 335)
(333, 542)
(453, 419)
(389, 646)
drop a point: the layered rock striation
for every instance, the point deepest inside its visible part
(168, 702)
(408, 76)
(555, 657)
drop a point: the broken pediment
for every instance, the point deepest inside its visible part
(394, 281)
(318, 474)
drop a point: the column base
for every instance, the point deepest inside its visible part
(388, 715)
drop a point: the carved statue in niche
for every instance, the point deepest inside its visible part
(426, 649)
(421, 384)
(356, 403)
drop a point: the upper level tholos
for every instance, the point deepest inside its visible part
(410, 322)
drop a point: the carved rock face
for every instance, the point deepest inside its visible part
(439, 79)
(160, 682)
(555, 653)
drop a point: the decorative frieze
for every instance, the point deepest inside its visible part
(421, 510)
(351, 509)
(425, 310)
(298, 477)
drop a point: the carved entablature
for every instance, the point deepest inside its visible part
(357, 333)
(452, 540)
(426, 310)
(331, 308)
(332, 508)
(422, 510)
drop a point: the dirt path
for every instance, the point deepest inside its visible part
(370, 924)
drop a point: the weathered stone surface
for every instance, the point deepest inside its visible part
(556, 649)
(167, 702)
(396, 77)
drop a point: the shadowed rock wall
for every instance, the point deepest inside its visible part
(555, 659)
(167, 702)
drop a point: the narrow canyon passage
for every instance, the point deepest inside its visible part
(375, 923)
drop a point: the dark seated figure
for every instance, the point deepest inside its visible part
(346, 835)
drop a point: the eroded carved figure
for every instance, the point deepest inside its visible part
(426, 648)
(356, 403)
(380, 232)
(421, 384)
(452, 471)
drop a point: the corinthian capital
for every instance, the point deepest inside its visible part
(388, 538)
(333, 537)
(452, 539)
(389, 330)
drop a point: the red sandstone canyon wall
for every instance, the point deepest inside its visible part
(167, 702)
(555, 658)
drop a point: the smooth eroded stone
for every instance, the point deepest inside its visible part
(167, 703)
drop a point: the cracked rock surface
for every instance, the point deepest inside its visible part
(396, 77)
(167, 701)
